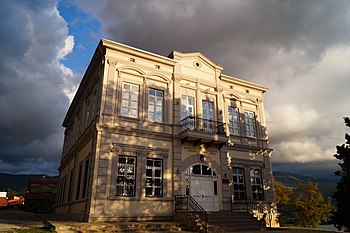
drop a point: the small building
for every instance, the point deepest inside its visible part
(144, 129)
(41, 194)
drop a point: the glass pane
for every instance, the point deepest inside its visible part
(134, 97)
(157, 173)
(125, 111)
(130, 170)
(149, 182)
(148, 191)
(157, 192)
(157, 163)
(133, 113)
(122, 160)
(126, 86)
(121, 170)
(157, 182)
(135, 89)
(133, 105)
(125, 103)
(151, 92)
(131, 161)
(196, 169)
(215, 187)
(149, 172)
(206, 170)
(235, 179)
(149, 162)
(130, 190)
(119, 191)
(159, 93)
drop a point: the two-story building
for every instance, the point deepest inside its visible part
(145, 128)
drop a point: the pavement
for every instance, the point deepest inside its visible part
(18, 219)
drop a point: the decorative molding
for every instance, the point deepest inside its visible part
(137, 150)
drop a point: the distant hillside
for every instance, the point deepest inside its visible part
(18, 183)
(326, 186)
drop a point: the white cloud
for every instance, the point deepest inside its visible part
(68, 47)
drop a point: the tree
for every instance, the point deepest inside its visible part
(311, 207)
(282, 193)
(283, 201)
(342, 194)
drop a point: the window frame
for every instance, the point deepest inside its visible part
(185, 105)
(124, 186)
(250, 124)
(241, 192)
(258, 192)
(154, 106)
(234, 130)
(152, 185)
(129, 100)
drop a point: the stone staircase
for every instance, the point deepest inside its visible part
(225, 222)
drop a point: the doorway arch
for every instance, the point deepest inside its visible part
(202, 184)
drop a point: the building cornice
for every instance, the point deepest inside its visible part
(137, 52)
(242, 82)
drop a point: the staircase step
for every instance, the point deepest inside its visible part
(233, 222)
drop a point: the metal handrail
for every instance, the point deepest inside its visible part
(251, 205)
(187, 204)
(202, 125)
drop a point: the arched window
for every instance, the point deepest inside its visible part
(200, 169)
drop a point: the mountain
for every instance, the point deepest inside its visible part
(18, 183)
(326, 186)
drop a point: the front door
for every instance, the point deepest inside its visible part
(203, 187)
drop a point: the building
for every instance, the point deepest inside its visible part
(143, 129)
(41, 194)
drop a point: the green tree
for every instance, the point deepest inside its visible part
(283, 201)
(311, 207)
(342, 215)
(282, 193)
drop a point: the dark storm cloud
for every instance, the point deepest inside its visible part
(233, 33)
(299, 49)
(32, 85)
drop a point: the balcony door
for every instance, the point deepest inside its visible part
(187, 112)
(208, 116)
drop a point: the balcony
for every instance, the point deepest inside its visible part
(199, 130)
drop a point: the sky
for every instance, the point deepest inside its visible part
(299, 49)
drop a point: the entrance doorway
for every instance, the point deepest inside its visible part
(202, 185)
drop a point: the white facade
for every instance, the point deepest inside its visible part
(143, 128)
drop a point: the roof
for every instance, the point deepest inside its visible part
(42, 181)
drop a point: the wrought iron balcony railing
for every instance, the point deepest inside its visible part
(197, 124)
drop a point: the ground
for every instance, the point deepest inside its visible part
(18, 221)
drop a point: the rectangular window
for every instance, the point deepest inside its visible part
(250, 124)
(130, 100)
(70, 190)
(239, 191)
(86, 176)
(187, 106)
(154, 178)
(79, 181)
(155, 105)
(208, 116)
(233, 118)
(63, 189)
(126, 174)
(257, 185)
